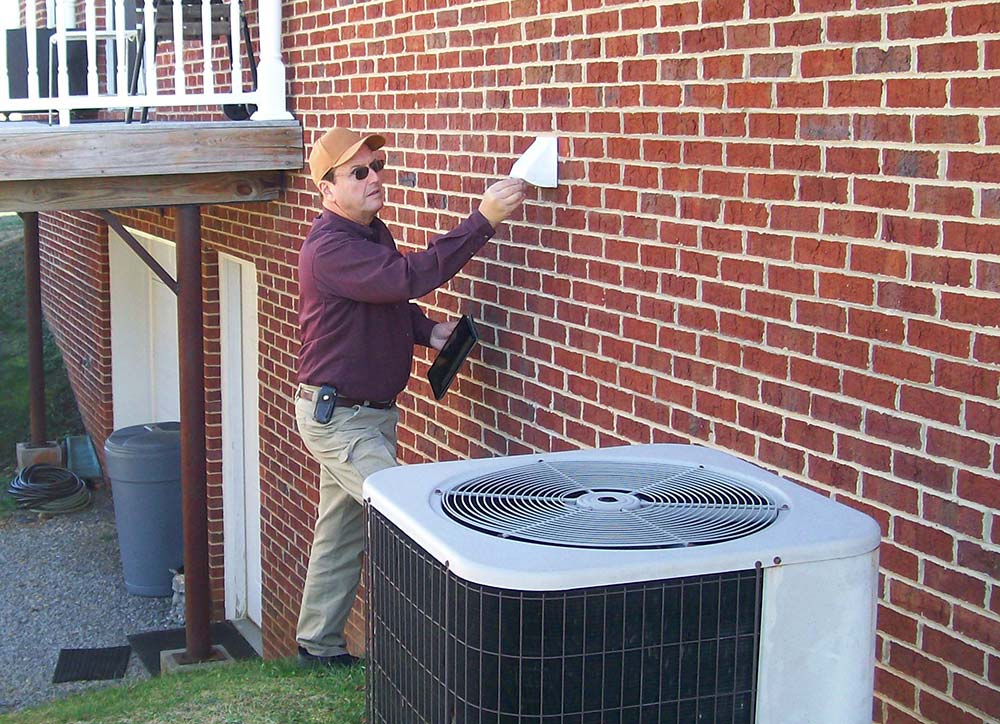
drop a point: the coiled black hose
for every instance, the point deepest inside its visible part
(45, 488)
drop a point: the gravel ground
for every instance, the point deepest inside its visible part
(61, 586)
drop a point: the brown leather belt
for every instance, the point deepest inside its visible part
(310, 395)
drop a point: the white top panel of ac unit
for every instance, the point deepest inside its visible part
(612, 516)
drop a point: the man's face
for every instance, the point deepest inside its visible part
(357, 200)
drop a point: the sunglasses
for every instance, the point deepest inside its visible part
(361, 172)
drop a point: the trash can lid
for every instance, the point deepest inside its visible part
(154, 447)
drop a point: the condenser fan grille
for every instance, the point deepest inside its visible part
(610, 505)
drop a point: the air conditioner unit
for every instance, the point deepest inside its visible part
(662, 583)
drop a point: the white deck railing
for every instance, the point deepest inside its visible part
(106, 40)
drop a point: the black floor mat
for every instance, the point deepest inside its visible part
(91, 664)
(149, 644)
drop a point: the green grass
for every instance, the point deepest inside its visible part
(246, 692)
(62, 415)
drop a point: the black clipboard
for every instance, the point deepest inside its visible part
(449, 360)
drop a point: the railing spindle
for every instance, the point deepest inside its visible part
(208, 81)
(179, 85)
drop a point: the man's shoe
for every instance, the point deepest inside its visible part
(330, 662)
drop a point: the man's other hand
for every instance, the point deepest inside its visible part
(501, 200)
(440, 333)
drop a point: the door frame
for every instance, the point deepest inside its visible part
(240, 394)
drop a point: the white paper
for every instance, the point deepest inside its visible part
(539, 164)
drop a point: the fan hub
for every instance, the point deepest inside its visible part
(609, 500)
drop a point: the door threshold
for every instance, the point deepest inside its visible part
(251, 632)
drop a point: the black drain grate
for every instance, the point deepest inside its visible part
(91, 664)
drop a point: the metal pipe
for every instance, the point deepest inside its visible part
(33, 298)
(190, 332)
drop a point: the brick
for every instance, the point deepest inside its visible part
(797, 32)
(826, 63)
(911, 231)
(857, 224)
(977, 167)
(989, 201)
(972, 555)
(799, 95)
(780, 456)
(972, 380)
(842, 414)
(901, 562)
(864, 452)
(854, 28)
(917, 93)
(722, 67)
(771, 65)
(918, 666)
(823, 188)
(986, 348)
(753, 35)
(905, 298)
(970, 310)
(854, 93)
(894, 687)
(797, 158)
(679, 14)
(749, 95)
(832, 474)
(981, 19)
(960, 448)
(895, 59)
(897, 496)
(847, 288)
(771, 8)
(822, 315)
(748, 155)
(919, 24)
(967, 237)
(852, 160)
(985, 699)
(786, 397)
(843, 351)
(776, 187)
(772, 125)
(893, 429)
(815, 375)
(725, 124)
(794, 218)
(703, 40)
(930, 405)
(974, 92)
(977, 627)
(939, 710)
(947, 57)
(883, 127)
(954, 583)
(920, 601)
(817, 252)
(934, 129)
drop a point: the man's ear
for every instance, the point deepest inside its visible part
(325, 189)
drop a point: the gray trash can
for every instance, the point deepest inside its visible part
(144, 466)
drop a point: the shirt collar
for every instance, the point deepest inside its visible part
(334, 220)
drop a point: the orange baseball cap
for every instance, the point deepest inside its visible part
(336, 147)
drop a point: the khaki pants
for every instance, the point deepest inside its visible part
(357, 442)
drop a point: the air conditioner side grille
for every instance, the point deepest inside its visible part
(442, 650)
(621, 506)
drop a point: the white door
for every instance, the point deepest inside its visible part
(145, 370)
(240, 438)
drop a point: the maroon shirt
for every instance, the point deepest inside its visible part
(356, 322)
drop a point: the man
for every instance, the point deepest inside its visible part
(358, 327)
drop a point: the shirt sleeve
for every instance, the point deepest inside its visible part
(422, 326)
(351, 266)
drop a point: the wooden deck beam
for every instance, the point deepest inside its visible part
(114, 165)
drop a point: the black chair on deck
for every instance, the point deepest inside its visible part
(191, 24)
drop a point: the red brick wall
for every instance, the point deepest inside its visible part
(776, 234)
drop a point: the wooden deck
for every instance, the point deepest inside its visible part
(115, 165)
